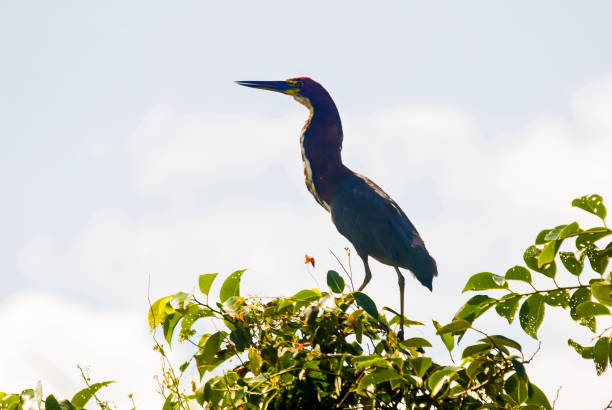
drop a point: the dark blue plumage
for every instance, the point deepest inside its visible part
(360, 209)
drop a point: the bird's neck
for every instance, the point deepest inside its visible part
(321, 143)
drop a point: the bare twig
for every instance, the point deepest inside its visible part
(556, 397)
(534, 353)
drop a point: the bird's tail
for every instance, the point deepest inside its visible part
(425, 270)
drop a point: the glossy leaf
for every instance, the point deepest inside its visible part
(157, 312)
(415, 342)
(597, 258)
(563, 231)
(170, 323)
(579, 296)
(438, 377)
(454, 326)
(500, 340)
(518, 273)
(531, 256)
(548, 253)
(475, 307)
(593, 204)
(590, 236)
(205, 282)
(557, 297)
(231, 286)
(541, 238)
(480, 349)
(366, 303)
(376, 377)
(537, 397)
(507, 306)
(602, 291)
(447, 338)
(80, 399)
(421, 364)
(517, 389)
(212, 345)
(601, 351)
(485, 280)
(590, 308)
(335, 281)
(531, 314)
(571, 263)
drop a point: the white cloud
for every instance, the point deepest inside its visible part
(46, 336)
(478, 202)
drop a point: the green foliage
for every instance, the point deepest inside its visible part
(337, 350)
(589, 298)
(31, 399)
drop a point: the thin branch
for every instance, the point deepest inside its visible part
(344, 269)
(534, 353)
(556, 398)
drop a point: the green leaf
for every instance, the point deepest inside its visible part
(602, 291)
(558, 297)
(376, 377)
(548, 253)
(507, 306)
(563, 231)
(516, 388)
(531, 257)
(212, 345)
(590, 308)
(520, 370)
(51, 403)
(437, 378)
(590, 236)
(601, 351)
(537, 396)
(335, 281)
(169, 325)
(475, 307)
(447, 338)
(485, 280)
(157, 312)
(541, 238)
(573, 265)
(598, 259)
(532, 314)
(180, 300)
(499, 340)
(480, 349)
(366, 303)
(579, 296)
(593, 204)
(80, 399)
(454, 326)
(231, 286)
(518, 273)
(421, 364)
(205, 282)
(415, 342)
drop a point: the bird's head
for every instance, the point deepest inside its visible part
(305, 90)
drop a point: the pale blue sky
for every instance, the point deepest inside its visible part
(107, 109)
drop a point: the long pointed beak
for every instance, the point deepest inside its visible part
(278, 86)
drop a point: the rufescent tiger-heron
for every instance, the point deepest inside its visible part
(360, 209)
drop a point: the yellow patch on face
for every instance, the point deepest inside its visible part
(295, 87)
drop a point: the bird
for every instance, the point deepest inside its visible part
(361, 211)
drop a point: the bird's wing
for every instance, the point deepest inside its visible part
(372, 221)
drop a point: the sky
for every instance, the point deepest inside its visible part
(131, 163)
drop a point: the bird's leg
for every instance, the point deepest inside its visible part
(368, 274)
(400, 281)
